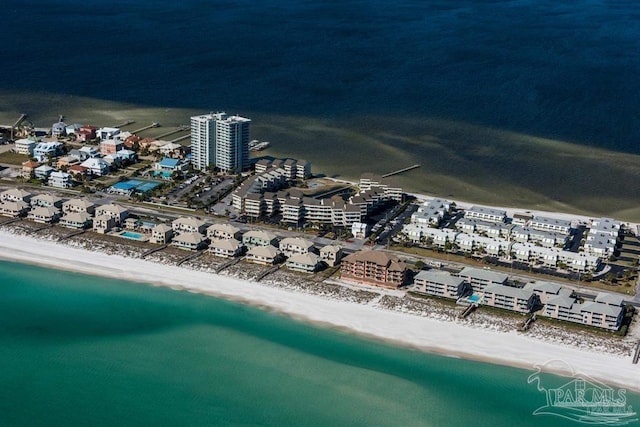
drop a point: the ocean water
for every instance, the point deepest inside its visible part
(565, 70)
(78, 350)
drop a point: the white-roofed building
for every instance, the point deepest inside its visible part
(13, 208)
(545, 223)
(510, 298)
(59, 179)
(223, 231)
(46, 200)
(96, 166)
(486, 214)
(304, 262)
(440, 284)
(45, 215)
(15, 195)
(480, 278)
(78, 205)
(161, 233)
(296, 245)
(259, 238)
(189, 240)
(226, 248)
(189, 225)
(265, 255)
(79, 220)
(117, 212)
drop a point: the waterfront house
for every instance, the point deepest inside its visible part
(259, 238)
(13, 208)
(46, 200)
(167, 167)
(374, 268)
(606, 226)
(510, 298)
(58, 129)
(78, 205)
(266, 255)
(189, 225)
(161, 233)
(331, 254)
(66, 161)
(117, 212)
(45, 215)
(223, 231)
(107, 133)
(15, 195)
(520, 218)
(86, 133)
(226, 248)
(480, 278)
(189, 240)
(296, 245)
(306, 262)
(60, 180)
(72, 129)
(440, 284)
(103, 224)
(78, 220)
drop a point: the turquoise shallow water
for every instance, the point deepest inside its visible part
(78, 350)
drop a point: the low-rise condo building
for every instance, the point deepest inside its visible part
(374, 268)
(480, 278)
(510, 298)
(440, 284)
(486, 214)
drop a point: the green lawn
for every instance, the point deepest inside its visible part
(13, 158)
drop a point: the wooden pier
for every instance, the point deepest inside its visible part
(68, 236)
(152, 125)
(467, 311)
(153, 250)
(528, 323)
(399, 171)
(190, 257)
(10, 221)
(123, 124)
(174, 141)
(266, 273)
(171, 132)
(228, 264)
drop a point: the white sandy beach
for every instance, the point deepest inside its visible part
(427, 334)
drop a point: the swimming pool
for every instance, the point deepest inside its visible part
(132, 235)
(474, 298)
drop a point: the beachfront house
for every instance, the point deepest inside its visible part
(331, 254)
(117, 212)
(110, 146)
(107, 133)
(58, 129)
(265, 255)
(47, 150)
(46, 201)
(77, 206)
(189, 240)
(13, 209)
(103, 224)
(42, 172)
(226, 248)
(374, 268)
(44, 215)
(440, 284)
(78, 220)
(223, 231)
(167, 167)
(480, 278)
(189, 225)
(259, 238)
(306, 263)
(15, 195)
(296, 245)
(161, 233)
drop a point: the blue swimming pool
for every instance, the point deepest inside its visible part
(132, 235)
(474, 298)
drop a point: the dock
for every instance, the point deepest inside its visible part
(267, 272)
(399, 171)
(171, 132)
(68, 236)
(190, 257)
(174, 141)
(123, 124)
(153, 250)
(152, 125)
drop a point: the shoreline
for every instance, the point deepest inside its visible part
(390, 326)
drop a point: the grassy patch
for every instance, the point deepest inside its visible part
(12, 158)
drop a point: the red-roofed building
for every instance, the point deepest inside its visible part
(374, 268)
(77, 170)
(86, 133)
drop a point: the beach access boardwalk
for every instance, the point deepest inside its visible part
(70, 235)
(228, 264)
(264, 274)
(190, 257)
(153, 250)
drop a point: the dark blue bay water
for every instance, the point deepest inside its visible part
(567, 70)
(78, 350)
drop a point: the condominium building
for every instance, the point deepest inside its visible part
(480, 278)
(510, 298)
(221, 140)
(441, 284)
(486, 214)
(375, 268)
